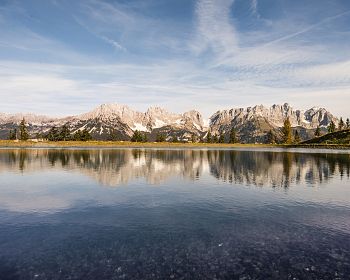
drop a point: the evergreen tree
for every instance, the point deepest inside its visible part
(53, 134)
(144, 137)
(175, 139)
(222, 138)
(347, 123)
(318, 131)
(193, 138)
(137, 136)
(271, 139)
(134, 136)
(287, 131)
(113, 135)
(77, 136)
(331, 127)
(85, 135)
(233, 137)
(215, 139)
(209, 140)
(23, 130)
(341, 124)
(82, 135)
(12, 134)
(39, 135)
(297, 138)
(160, 137)
(64, 134)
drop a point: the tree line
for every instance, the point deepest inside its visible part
(62, 133)
(139, 136)
(341, 125)
(23, 132)
(288, 135)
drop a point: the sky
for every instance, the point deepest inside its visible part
(63, 57)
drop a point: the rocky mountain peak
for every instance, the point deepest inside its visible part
(107, 111)
(29, 117)
(116, 121)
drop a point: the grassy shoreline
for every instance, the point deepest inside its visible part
(126, 144)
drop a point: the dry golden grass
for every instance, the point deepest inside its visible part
(11, 143)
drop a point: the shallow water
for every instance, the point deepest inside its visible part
(174, 214)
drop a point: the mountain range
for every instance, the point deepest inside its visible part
(119, 122)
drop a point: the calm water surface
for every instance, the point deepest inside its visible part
(174, 214)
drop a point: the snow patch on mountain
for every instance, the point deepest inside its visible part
(115, 121)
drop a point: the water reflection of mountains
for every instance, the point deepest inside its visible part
(115, 167)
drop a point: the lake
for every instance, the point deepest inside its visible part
(174, 214)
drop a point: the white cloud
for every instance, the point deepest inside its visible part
(225, 70)
(114, 43)
(331, 74)
(254, 7)
(171, 84)
(214, 28)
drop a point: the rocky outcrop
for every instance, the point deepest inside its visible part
(253, 123)
(119, 122)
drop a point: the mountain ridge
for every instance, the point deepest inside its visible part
(113, 121)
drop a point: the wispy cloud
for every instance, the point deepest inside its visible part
(114, 43)
(104, 38)
(254, 8)
(214, 59)
(306, 29)
(214, 28)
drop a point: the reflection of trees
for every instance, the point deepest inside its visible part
(114, 167)
(110, 167)
(277, 169)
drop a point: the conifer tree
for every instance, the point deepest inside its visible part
(222, 138)
(193, 138)
(318, 131)
(85, 135)
(53, 134)
(233, 137)
(209, 139)
(271, 139)
(341, 124)
(23, 130)
(144, 137)
(287, 131)
(160, 137)
(331, 127)
(347, 123)
(76, 136)
(175, 139)
(215, 139)
(12, 134)
(113, 135)
(297, 138)
(64, 134)
(38, 135)
(137, 137)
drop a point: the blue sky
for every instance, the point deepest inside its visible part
(61, 57)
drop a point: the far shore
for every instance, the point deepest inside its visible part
(127, 144)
